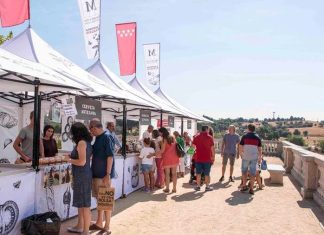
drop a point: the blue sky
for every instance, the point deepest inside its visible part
(228, 58)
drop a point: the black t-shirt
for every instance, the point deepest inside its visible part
(50, 147)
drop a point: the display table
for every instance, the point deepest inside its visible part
(17, 196)
(132, 177)
(24, 192)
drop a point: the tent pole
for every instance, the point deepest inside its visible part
(36, 132)
(124, 131)
(181, 126)
(161, 118)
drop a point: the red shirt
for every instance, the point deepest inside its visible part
(203, 142)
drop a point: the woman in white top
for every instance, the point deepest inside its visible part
(147, 164)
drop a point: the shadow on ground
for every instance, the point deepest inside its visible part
(238, 198)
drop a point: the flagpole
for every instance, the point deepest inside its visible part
(29, 24)
(99, 31)
(159, 65)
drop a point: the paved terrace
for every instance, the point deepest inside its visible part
(274, 210)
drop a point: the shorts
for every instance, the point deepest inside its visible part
(145, 168)
(203, 168)
(249, 165)
(231, 157)
(96, 182)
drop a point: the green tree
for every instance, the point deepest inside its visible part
(5, 38)
(297, 139)
(305, 133)
(296, 132)
(321, 144)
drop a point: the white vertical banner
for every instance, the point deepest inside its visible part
(152, 62)
(90, 16)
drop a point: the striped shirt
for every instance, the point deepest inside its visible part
(250, 142)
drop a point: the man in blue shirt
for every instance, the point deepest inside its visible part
(111, 131)
(102, 167)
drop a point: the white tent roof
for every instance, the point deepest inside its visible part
(30, 46)
(144, 90)
(18, 74)
(101, 71)
(175, 104)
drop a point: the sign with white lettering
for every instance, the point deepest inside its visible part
(188, 124)
(145, 117)
(171, 121)
(88, 109)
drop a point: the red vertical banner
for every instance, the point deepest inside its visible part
(13, 12)
(126, 41)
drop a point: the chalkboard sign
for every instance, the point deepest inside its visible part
(145, 117)
(88, 109)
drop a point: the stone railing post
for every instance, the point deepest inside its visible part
(288, 159)
(309, 172)
(280, 150)
(319, 194)
(297, 170)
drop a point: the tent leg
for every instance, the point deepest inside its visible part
(181, 126)
(161, 119)
(124, 135)
(36, 132)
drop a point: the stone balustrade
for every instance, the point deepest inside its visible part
(269, 147)
(308, 170)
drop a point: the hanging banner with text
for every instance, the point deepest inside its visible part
(90, 16)
(87, 108)
(171, 121)
(145, 117)
(152, 62)
(165, 122)
(188, 124)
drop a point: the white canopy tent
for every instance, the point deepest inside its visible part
(101, 71)
(147, 92)
(30, 46)
(18, 74)
(175, 104)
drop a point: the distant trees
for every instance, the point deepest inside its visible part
(305, 133)
(297, 139)
(296, 132)
(4, 38)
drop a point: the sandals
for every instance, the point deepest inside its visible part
(244, 188)
(166, 190)
(174, 190)
(74, 230)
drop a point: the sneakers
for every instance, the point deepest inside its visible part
(231, 179)
(221, 179)
(208, 188)
(197, 188)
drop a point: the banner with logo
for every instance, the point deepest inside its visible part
(171, 121)
(145, 117)
(90, 16)
(152, 62)
(126, 42)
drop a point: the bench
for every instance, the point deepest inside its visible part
(276, 173)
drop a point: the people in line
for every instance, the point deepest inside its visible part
(205, 156)
(229, 151)
(170, 159)
(181, 167)
(48, 142)
(111, 130)
(82, 176)
(103, 169)
(157, 139)
(23, 143)
(147, 158)
(250, 150)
